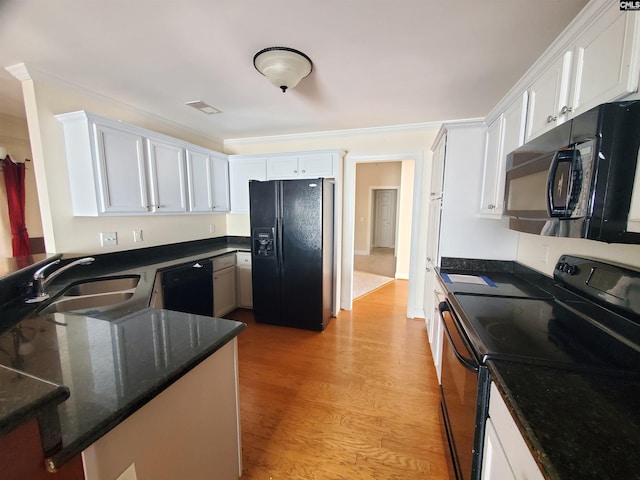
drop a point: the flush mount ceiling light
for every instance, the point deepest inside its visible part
(284, 67)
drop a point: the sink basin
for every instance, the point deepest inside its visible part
(94, 293)
(68, 304)
(102, 285)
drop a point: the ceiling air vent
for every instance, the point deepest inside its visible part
(203, 107)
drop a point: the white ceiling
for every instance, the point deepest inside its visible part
(376, 62)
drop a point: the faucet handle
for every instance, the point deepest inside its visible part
(39, 274)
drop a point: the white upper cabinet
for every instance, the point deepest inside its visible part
(241, 170)
(606, 60)
(120, 169)
(208, 180)
(303, 165)
(286, 166)
(489, 203)
(116, 151)
(547, 94)
(167, 177)
(504, 134)
(437, 167)
(598, 62)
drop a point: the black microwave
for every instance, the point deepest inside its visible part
(576, 180)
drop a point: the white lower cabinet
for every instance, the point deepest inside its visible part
(506, 455)
(224, 284)
(243, 279)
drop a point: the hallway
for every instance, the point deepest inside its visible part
(357, 401)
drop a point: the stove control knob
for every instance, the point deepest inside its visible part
(572, 269)
(560, 266)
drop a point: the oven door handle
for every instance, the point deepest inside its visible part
(467, 363)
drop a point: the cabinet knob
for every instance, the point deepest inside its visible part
(491, 207)
(304, 171)
(295, 171)
(566, 110)
(551, 118)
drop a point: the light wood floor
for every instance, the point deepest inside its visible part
(357, 401)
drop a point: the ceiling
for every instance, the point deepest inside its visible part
(376, 62)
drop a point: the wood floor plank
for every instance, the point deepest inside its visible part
(357, 401)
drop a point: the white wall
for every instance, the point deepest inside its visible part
(14, 135)
(542, 253)
(65, 233)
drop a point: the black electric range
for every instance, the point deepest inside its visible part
(588, 319)
(585, 319)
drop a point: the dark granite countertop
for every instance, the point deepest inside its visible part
(577, 425)
(24, 397)
(112, 368)
(89, 356)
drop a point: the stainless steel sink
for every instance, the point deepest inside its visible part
(69, 304)
(95, 293)
(102, 285)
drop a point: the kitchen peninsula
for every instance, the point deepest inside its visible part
(133, 384)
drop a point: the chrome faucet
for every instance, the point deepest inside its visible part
(40, 282)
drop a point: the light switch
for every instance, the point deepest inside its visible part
(137, 235)
(108, 239)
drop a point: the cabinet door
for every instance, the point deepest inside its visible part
(606, 65)
(282, 168)
(241, 170)
(495, 465)
(220, 168)
(514, 128)
(493, 156)
(167, 172)
(122, 171)
(437, 168)
(224, 291)
(547, 95)
(243, 280)
(316, 165)
(503, 136)
(200, 179)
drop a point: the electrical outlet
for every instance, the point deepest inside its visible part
(108, 239)
(137, 235)
(129, 473)
(212, 228)
(544, 254)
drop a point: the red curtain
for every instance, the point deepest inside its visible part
(14, 181)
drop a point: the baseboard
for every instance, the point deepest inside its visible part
(402, 276)
(360, 252)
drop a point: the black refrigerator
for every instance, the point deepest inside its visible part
(292, 252)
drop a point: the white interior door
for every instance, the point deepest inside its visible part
(384, 230)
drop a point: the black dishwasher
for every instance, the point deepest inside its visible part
(189, 288)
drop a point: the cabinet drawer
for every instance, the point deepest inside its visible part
(223, 262)
(243, 259)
